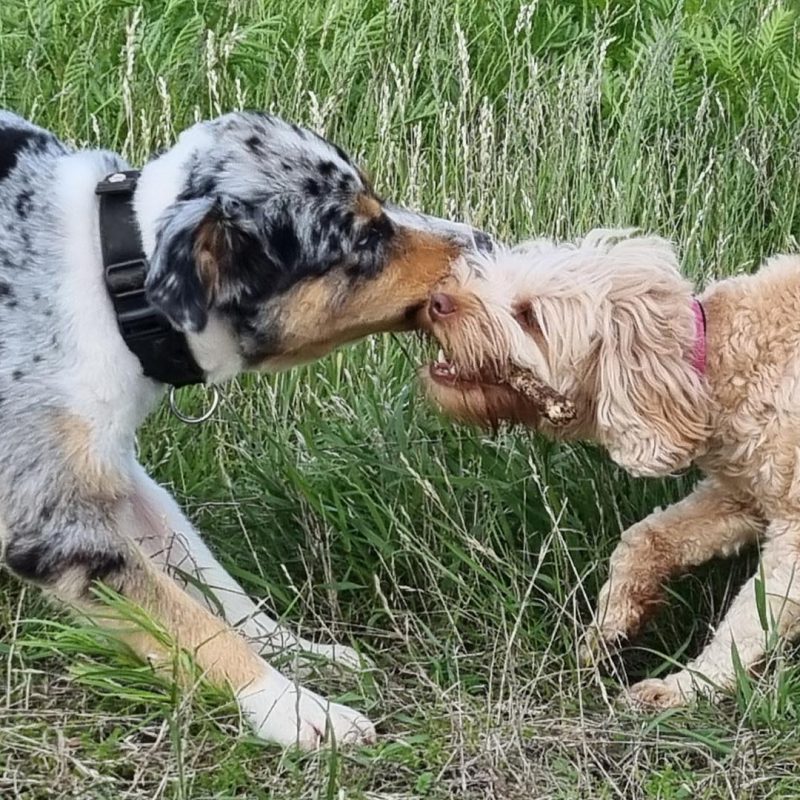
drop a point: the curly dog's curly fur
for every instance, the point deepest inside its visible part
(610, 323)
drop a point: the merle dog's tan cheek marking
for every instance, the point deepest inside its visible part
(324, 312)
(418, 262)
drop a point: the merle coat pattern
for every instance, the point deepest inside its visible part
(267, 247)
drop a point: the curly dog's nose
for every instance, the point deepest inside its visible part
(441, 305)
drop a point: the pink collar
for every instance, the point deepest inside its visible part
(699, 351)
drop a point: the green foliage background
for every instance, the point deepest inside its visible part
(465, 565)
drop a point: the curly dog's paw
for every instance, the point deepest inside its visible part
(599, 643)
(655, 693)
(678, 689)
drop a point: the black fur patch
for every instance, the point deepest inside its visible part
(31, 563)
(24, 204)
(283, 241)
(247, 272)
(13, 141)
(328, 217)
(42, 563)
(346, 223)
(483, 241)
(254, 144)
(312, 187)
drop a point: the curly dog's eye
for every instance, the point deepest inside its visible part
(526, 319)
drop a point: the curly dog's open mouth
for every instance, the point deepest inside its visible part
(496, 380)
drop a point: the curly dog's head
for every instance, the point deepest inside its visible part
(606, 323)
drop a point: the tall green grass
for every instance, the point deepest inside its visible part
(463, 564)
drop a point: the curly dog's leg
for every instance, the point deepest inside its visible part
(769, 603)
(709, 522)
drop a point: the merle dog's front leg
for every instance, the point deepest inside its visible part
(93, 537)
(173, 541)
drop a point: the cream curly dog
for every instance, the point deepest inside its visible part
(662, 379)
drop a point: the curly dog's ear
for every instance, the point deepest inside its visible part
(651, 406)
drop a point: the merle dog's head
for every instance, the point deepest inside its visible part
(274, 235)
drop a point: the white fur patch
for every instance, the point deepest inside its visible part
(102, 379)
(163, 179)
(285, 713)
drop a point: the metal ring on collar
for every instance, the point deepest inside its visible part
(173, 407)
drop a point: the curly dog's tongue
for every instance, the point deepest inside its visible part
(557, 408)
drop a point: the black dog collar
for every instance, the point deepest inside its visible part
(162, 351)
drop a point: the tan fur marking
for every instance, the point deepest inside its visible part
(75, 439)
(321, 314)
(368, 206)
(224, 656)
(208, 254)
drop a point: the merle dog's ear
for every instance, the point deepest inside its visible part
(202, 246)
(175, 285)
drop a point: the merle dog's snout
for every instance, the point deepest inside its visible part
(464, 236)
(474, 239)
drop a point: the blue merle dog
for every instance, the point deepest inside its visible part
(266, 247)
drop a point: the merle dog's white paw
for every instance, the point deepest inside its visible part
(287, 714)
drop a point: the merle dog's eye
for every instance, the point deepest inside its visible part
(379, 230)
(368, 239)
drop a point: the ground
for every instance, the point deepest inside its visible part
(464, 565)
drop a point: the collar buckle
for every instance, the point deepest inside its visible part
(122, 182)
